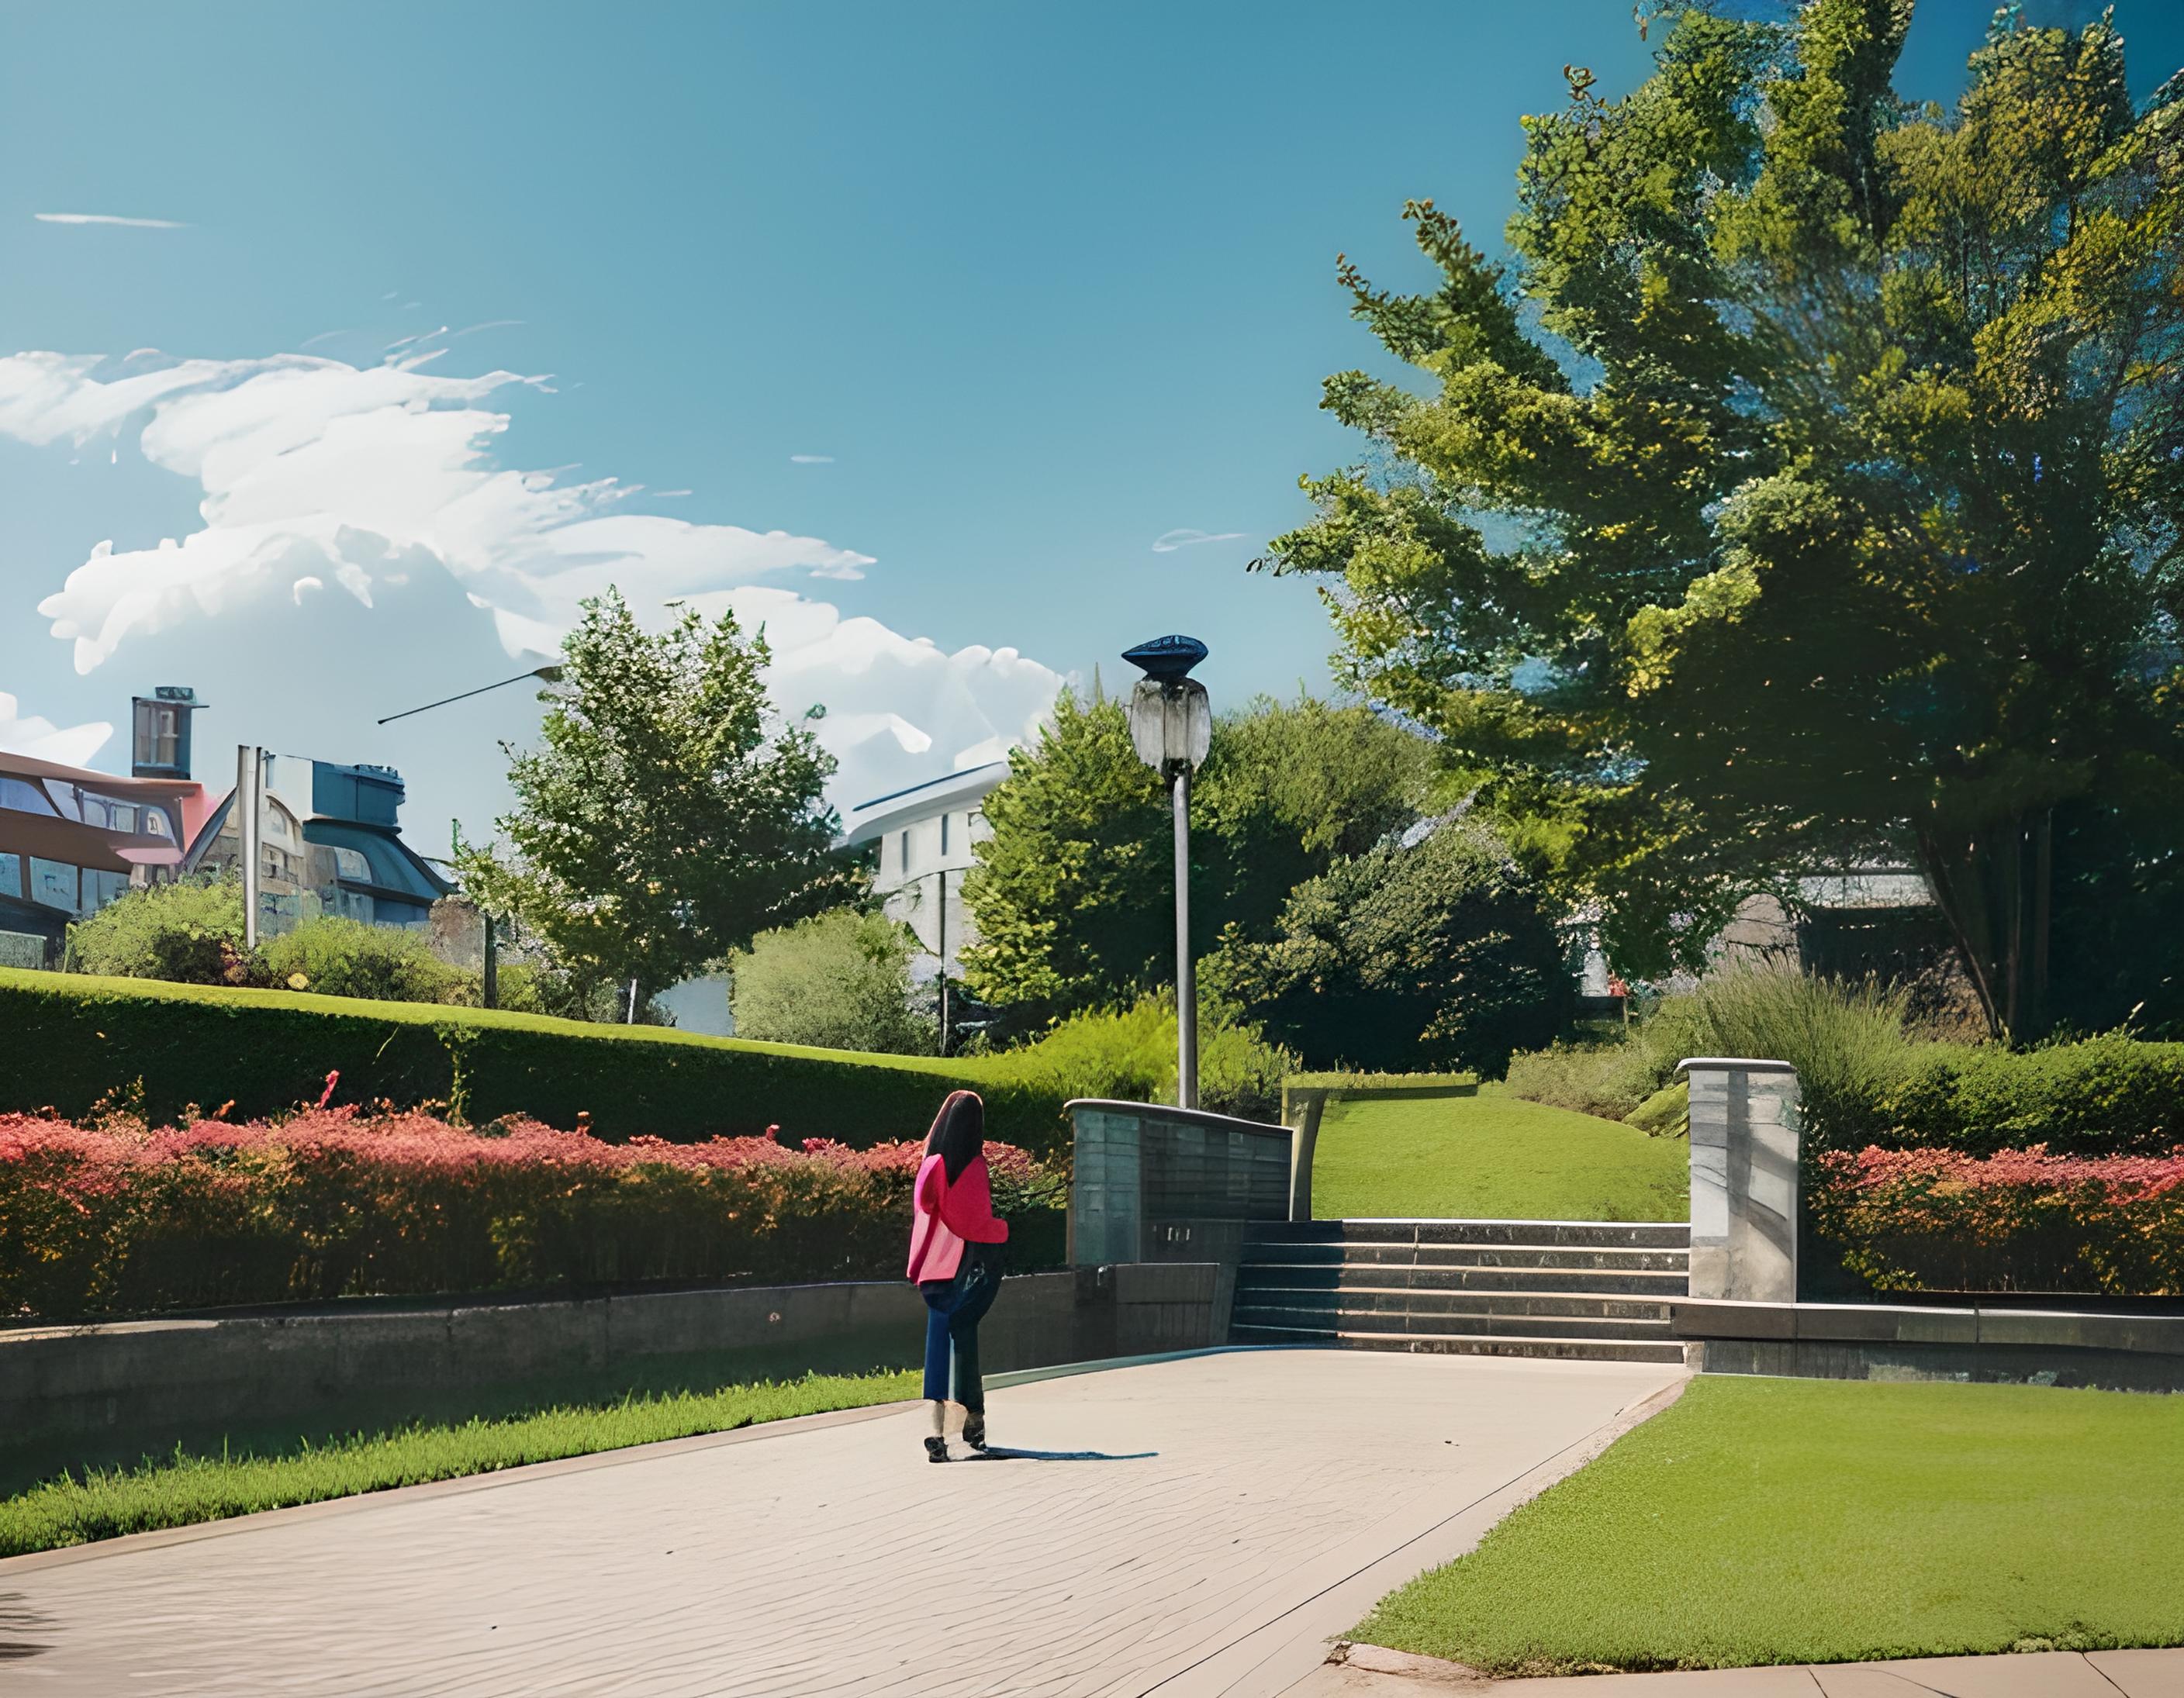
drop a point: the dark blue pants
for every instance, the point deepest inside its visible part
(953, 1309)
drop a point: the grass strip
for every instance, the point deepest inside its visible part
(1764, 1521)
(1492, 1156)
(185, 1488)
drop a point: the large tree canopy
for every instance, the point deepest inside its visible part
(1807, 486)
(1073, 893)
(669, 814)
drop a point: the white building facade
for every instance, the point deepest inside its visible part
(923, 838)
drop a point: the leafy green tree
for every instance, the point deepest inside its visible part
(837, 981)
(1806, 489)
(669, 815)
(1074, 894)
(1436, 955)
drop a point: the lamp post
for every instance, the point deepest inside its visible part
(548, 674)
(1172, 729)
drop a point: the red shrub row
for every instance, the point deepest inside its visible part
(120, 1219)
(2018, 1220)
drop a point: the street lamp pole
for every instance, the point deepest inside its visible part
(1172, 729)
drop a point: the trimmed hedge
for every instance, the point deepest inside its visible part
(119, 1218)
(2106, 1096)
(2018, 1220)
(68, 1041)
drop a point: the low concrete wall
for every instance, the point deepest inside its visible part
(1879, 1341)
(1155, 1183)
(78, 1394)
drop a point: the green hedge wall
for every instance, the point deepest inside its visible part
(2101, 1096)
(67, 1040)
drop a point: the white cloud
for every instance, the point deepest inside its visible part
(108, 218)
(811, 459)
(1169, 541)
(316, 474)
(43, 740)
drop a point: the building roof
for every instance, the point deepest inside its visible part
(951, 791)
(397, 870)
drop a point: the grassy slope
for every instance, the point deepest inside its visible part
(186, 1490)
(1817, 1521)
(1493, 1156)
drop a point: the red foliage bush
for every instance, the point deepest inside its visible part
(2020, 1220)
(123, 1219)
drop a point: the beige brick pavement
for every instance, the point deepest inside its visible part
(1283, 1492)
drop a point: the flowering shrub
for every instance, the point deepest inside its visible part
(119, 1218)
(2018, 1220)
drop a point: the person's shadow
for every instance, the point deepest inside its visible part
(1002, 1453)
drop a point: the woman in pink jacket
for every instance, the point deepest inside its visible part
(951, 1264)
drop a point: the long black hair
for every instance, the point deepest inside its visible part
(959, 1132)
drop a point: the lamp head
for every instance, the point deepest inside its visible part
(1167, 658)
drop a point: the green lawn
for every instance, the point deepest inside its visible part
(1491, 1156)
(1824, 1521)
(100, 1504)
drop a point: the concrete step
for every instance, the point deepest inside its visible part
(1396, 1300)
(1474, 1344)
(1660, 1284)
(1621, 1259)
(1454, 1323)
(1639, 1235)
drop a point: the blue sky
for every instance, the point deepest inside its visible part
(1027, 288)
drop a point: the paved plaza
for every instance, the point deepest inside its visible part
(1242, 1509)
(1195, 1526)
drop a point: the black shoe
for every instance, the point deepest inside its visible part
(974, 1433)
(936, 1449)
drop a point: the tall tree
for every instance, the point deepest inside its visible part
(1072, 894)
(1808, 487)
(669, 814)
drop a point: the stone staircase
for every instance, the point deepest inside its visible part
(1595, 1291)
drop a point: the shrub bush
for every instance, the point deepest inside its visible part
(73, 1039)
(839, 981)
(2018, 1220)
(190, 933)
(1130, 1054)
(331, 1203)
(338, 957)
(2110, 1094)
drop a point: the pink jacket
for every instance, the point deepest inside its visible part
(948, 1215)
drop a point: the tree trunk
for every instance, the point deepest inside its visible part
(1994, 887)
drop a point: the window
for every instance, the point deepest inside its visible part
(158, 735)
(23, 796)
(101, 887)
(350, 863)
(53, 882)
(11, 874)
(108, 814)
(905, 867)
(943, 837)
(157, 823)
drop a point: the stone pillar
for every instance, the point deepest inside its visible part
(1302, 1106)
(1744, 1178)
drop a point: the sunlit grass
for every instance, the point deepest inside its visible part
(1492, 1156)
(1762, 1521)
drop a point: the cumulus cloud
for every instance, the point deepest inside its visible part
(1169, 541)
(318, 475)
(22, 733)
(108, 218)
